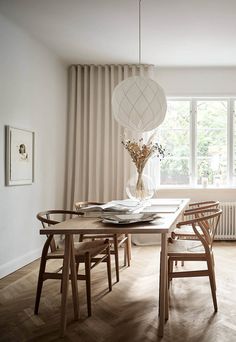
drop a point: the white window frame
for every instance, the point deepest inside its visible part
(231, 104)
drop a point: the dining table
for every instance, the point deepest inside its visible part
(168, 210)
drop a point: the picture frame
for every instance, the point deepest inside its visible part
(19, 156)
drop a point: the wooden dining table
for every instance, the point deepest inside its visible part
(169, 212)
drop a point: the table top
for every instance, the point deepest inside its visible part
(168, 211)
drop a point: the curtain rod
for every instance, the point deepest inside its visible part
(109, 65)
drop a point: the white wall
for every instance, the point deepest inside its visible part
(33, 86)
(198, 82)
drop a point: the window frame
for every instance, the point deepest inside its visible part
(231, 107)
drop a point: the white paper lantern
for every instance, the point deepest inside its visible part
(139, 104)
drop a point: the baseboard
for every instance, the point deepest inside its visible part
(19, 262)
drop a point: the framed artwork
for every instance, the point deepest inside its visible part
(19, 156)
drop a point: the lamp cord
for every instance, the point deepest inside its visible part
(139, 47)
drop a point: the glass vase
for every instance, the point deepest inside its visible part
(140, 187)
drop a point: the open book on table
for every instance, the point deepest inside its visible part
(116, 206)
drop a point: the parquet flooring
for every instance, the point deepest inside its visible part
(129, 312)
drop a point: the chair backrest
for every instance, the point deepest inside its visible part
(52, 217)
(207, 222)
(203, 205)
(196, 208)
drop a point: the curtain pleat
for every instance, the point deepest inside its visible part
(97, 166)
(78, 123)
(71, 145)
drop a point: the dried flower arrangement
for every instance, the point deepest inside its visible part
(140, 153)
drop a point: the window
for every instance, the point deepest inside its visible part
(175, 136)
(200, 137)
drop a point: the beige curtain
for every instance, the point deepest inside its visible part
(98, 166)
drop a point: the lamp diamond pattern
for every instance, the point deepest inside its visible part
(139, 104)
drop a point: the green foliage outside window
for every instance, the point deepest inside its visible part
(210, 141)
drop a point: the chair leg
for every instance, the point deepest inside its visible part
(159, 284)
(213, 270)
(213, 267)
(171, 266)
(41, 272)
(167, 294)
(170, 270)
(212, 283)
(213, 260)
(128, 241)
(115, 242)
(126, 253)
(109, 267)
(61, 285)
(88, 281)
(39, 285)
(77, 268)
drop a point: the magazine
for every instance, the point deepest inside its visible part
(117, 206)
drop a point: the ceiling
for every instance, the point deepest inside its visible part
(174, 32)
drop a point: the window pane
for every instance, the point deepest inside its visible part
(174, 135)
(175, 171)
(177, 115)
(212, 141)
(211, 114)
(176, 142)
(212, 168)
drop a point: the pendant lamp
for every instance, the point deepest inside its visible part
(139, 103)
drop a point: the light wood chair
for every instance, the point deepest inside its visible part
(117, 240)
(196, 250)
(90, 253)
(194, 211)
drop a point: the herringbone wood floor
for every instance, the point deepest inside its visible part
(129, 312)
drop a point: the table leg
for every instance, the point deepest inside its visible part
(74, 283)
(65, 281)
(163, 284)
